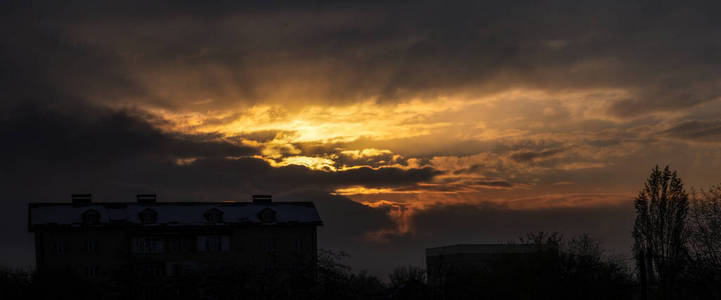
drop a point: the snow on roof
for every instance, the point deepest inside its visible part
(175, 213)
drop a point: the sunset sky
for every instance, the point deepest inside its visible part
(409, 124)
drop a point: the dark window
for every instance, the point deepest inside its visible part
(91, 271)
(148, 216)
(147, 245)
(270, 245)
(238, 245)
(180, 244)
(91, 217)
(90, 246)
(149, 292)
(179, 269)
(153, 270)
(270, 251)
(213, 243)
(59, 247)
(297, 245)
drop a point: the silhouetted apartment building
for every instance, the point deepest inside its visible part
(160, 239)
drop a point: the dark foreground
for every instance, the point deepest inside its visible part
(576, 269)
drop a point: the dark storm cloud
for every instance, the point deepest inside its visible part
(98, 136)
(256, 175)
(697, 130)
(319, 148)
(666, 55)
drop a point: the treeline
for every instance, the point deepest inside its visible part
(561, 268)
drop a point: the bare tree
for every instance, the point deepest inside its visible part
(405, 274)
(660, 231)
(408, 282)
(705, 240)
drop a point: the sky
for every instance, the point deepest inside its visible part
(410, 124)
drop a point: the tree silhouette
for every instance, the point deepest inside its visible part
(705, 239)
(659, 231)
(408, 282)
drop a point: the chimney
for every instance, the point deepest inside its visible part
(147, 198)
(262, 199)
(82, 199)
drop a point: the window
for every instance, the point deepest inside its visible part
(91, 217)
(147, 245)
(91, 271)
(213, 243)
(90, 246)
(181, 244)
(213, 215)
(239, 245)
(156, 270)
(180, 268)
(297, 245)
(59, 247)
(149, 292)
(270, 245)
(148, 216)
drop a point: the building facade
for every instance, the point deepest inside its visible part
(161, 239)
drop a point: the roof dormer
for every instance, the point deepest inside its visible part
(267, 215)
(148, 216)
(213, 215)
(91, 217)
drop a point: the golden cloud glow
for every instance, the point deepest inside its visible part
(361, 190)
(185, 161)
(539, 131)
(320, 123)
(315, 163)
(356, 154)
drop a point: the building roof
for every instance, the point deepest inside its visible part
(486, 249)
(172, 213)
